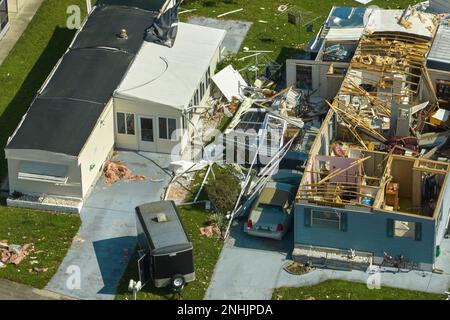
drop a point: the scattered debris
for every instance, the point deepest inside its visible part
(78, 239)
(211, 231)
(296, 268)
(229, 12)
(116, 170)
(13, 253)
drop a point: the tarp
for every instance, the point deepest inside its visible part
(164, 29)
(230, 83)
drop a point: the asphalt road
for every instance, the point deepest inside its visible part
(15, 291)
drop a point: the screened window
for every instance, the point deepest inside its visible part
(208, 77)
(167, 128)
(125, 123)
(196, 98)
(202, 90)
(3, 14)
(326, 219)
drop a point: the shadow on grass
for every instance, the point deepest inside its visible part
(15, 110)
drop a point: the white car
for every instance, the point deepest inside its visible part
(270, 216)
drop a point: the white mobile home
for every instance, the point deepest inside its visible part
(59, 148)
(165, 89)
(109, 90)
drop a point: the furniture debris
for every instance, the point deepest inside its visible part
(392, 197)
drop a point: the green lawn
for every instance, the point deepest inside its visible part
(206, 253)
(51, 235)
(278, 35)
(345, 290)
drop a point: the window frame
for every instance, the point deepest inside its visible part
(4, 23)
(322, 226)
(170, 135)
(409, 229)
(125, 123)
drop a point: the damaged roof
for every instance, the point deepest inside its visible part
(171, 76)
(106, 22)
(419, 23)
(81, 85)
(347, 17)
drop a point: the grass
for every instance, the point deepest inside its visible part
(345, 290)
(206, 253)
(277, 35)
(51, 235)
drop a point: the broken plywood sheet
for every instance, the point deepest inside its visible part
(230, 83)
(420, 24)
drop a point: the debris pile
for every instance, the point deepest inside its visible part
(116, 170)
(12, 253)
(210, 231)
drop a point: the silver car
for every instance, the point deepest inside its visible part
(270, 216)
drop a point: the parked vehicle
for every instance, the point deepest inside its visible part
(165, 250)
(270, 216)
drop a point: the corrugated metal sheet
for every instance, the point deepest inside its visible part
(344, 34)
(439, 56)
(440, 6)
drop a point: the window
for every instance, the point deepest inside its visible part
(404, 229)
(326, 219)
(43, 172)
(304, 77)
(167, 128)
(202, 90)
(3, 14)
(125, 123)
(208, 77)
(147, 129)
(196, 98)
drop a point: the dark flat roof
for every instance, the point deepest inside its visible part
(150, 5)
(63, 116)
(88, 74)
(163, 235)
(57, 125)
(105, 24)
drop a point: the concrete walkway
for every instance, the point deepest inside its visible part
(95, 264)
(18, 23)
(15, 291)
(250, 268)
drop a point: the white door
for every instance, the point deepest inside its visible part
(147, 128)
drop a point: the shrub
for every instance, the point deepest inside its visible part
(223, 191)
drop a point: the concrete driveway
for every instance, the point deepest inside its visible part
(249, 267)
(96, 262)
